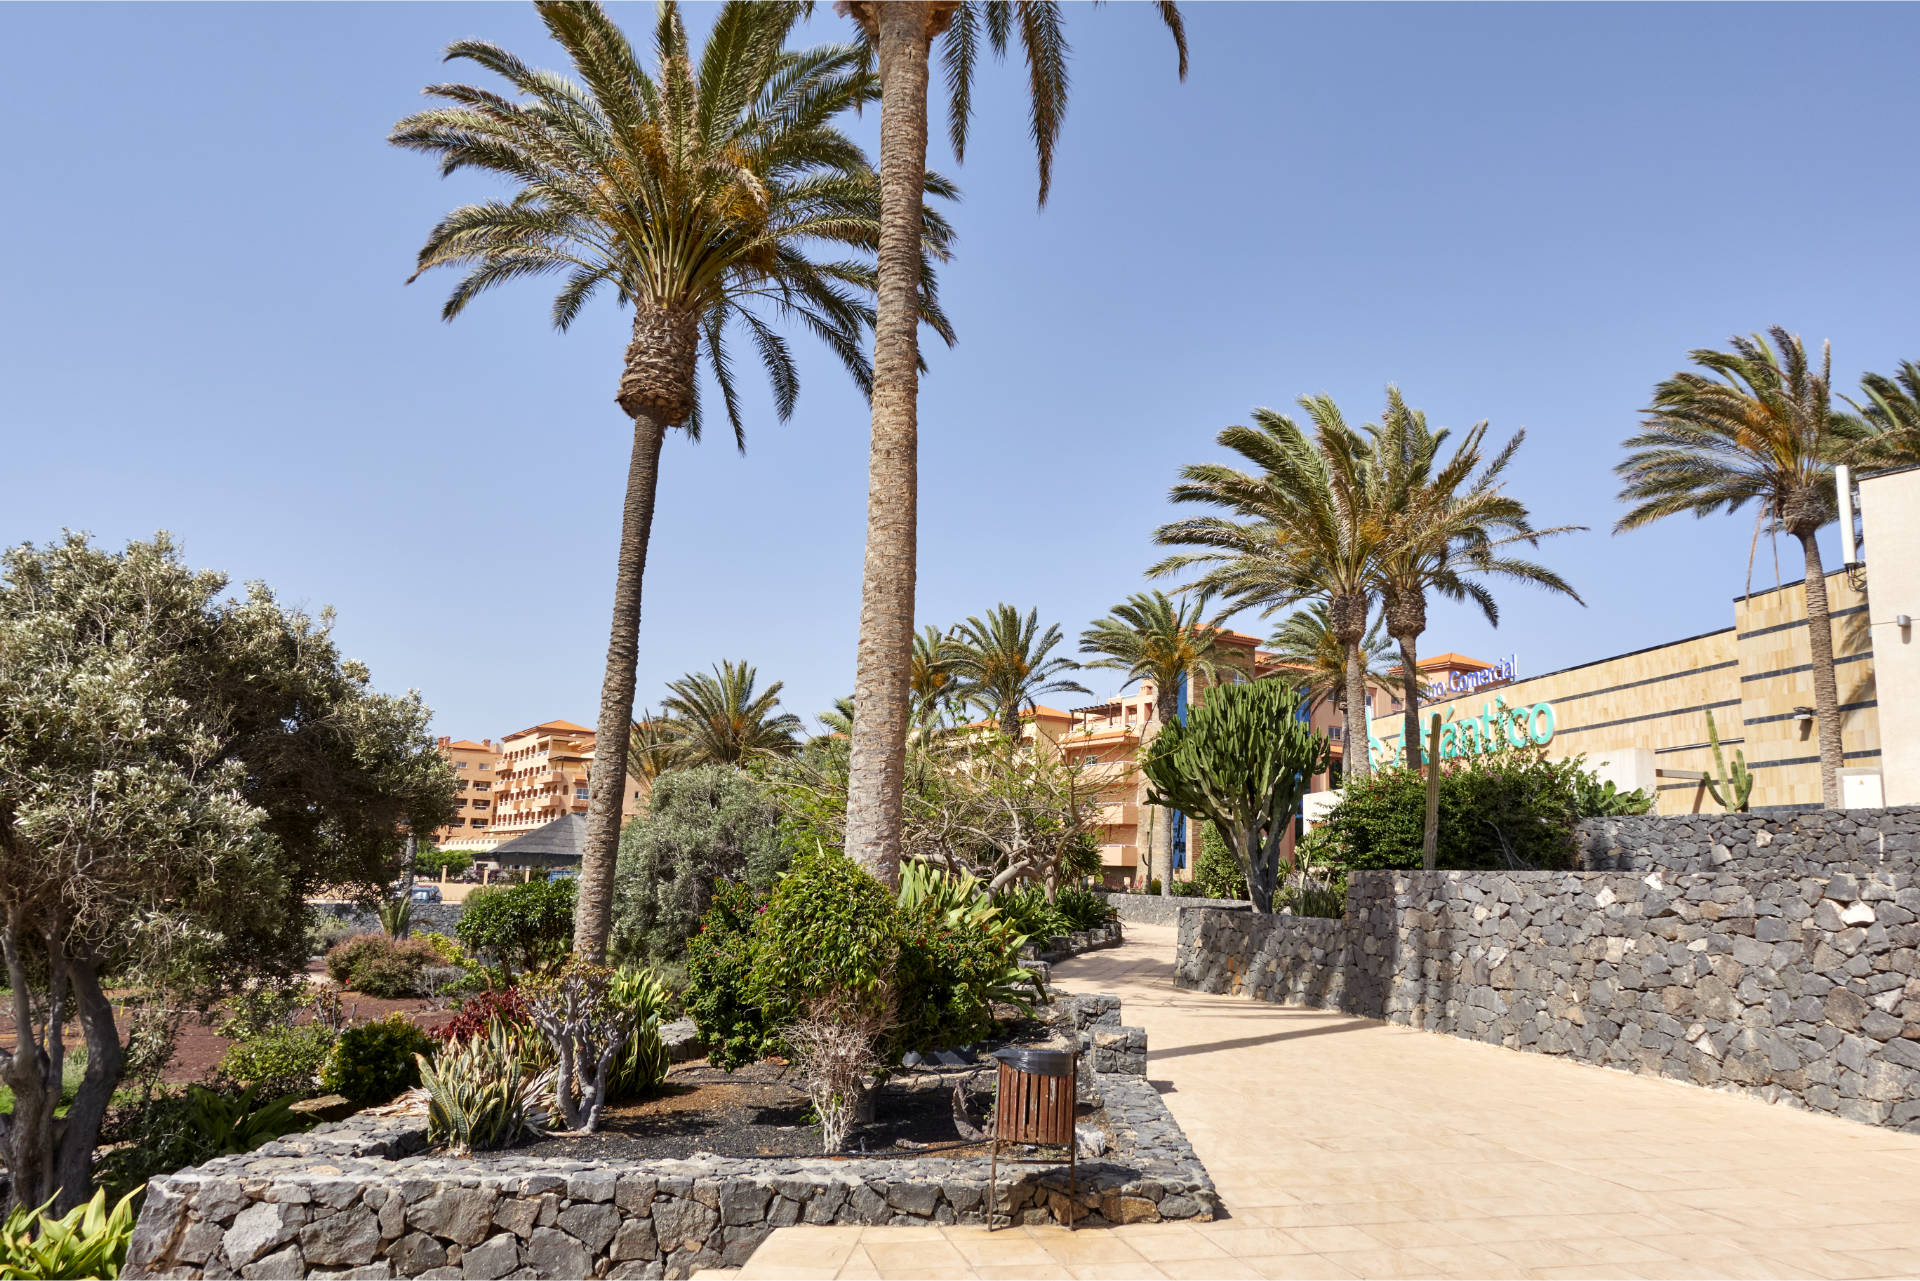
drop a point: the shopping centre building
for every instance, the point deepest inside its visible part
(1640, 718)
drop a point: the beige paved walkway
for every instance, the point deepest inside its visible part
(1346, 1148)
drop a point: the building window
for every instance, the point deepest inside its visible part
(459, 764)
(479, 822)
(579, 793)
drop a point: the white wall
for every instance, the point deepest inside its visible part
(1890, 517)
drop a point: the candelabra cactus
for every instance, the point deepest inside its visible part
(1730, 788)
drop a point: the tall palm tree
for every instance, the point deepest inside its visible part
(901, 33)
(1451, 522)
(1005, 664)
(700, 194)
(1316, 662)
(1891, 416)
(1754, 425)
(1148, 637)
(1303, 526)
(721, 720)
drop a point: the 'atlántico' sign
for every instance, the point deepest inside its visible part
(1498, 726)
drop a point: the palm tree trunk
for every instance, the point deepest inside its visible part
(1826, 691)
(884, 660)
(593, 914)
(1410, 741)
(1356, 755)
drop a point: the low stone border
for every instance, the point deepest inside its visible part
(1158, 909)
(364, 1199)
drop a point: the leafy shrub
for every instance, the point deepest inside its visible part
(703, 826)
(1027, 910)
(280, 1060)
(327, 931)
(504, 1005)
(1153, 885)
(643, 1065)
(1217, 872)
(163, 1132)
(375, 1061)
(483, 1092)
(444, 946)
(1506, 809)
(950, 974)
(720, 976)
(525, 928)
(380, 966)
(89, 1241)
(829, 928)
(1083, 909)
(1189, 889)
(1313, 897)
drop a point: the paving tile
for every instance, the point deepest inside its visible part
(1419, 1154)
(1299, 1267)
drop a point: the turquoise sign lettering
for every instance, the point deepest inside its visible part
(1498, 726)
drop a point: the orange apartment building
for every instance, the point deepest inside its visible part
(473, 782)
(533, 777)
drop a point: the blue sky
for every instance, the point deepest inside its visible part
(1521, 213)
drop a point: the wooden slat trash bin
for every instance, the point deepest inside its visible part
(1034, 1107)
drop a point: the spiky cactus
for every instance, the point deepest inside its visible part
(1242, 759)
(1736, 784)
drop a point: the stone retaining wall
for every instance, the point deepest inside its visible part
(364, 1198)
(1158, 909)
(1810, 843)
(1801, 989)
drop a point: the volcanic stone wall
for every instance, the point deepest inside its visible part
(1808, 843)
(1798, 982)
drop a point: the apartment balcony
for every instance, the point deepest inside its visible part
(1123, 814)
(1120, 855)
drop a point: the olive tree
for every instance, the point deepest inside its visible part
(179, 771)
(1243, 759)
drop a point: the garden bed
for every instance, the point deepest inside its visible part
(367, 1197)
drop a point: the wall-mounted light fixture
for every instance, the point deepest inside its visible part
(1804, 717)
(1849, 550)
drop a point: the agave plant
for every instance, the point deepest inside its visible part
(643, 1064)
(89, 1241)
(484, 1092)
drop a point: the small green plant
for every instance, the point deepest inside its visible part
(1729, 788)
(719, 973)
(1217, 872)
(483, 1092)
(381, 966)
(525, 928)
(642, 1066)
(89, 1241)
(283, 1059)
(396, 916)
(375, 1061)
(1083, 909)
(229, 1124)
(1310, 896)
(446, 947)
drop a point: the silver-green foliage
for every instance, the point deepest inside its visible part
(485, 1092)
(1243, 759)
(162, 742)
(703, 825)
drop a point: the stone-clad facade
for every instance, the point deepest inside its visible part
(366, 1198)
(1797, 981)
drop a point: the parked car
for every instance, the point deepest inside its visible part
(426, 893)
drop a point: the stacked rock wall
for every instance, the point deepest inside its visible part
(1798, 982)
(1159, 909)
(365, 1198)
(1753, 844)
